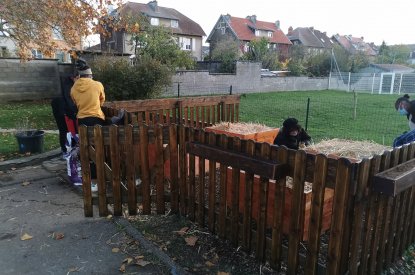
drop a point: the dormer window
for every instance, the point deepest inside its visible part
(257, 33)
(154, 21)
(174, 23)
(269, 34)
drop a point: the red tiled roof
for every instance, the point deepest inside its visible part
(245, 30)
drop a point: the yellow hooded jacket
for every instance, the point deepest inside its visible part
(88, 96)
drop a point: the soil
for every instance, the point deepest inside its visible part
(209, 254)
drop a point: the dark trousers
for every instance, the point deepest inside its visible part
(91, 121)
(58, 106)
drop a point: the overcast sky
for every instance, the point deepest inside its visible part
(375, 20)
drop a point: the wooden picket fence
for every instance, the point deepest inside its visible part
(232, 186)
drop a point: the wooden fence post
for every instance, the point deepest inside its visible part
(115, 166)
(86, 171)
(100, 169)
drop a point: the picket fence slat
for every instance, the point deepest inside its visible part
(192, 179)
(297, 206)
(223, 192)
(86, 171)
(145, 169)
(212, 185)
(174, 168)
(115, 166)
(99, 161)
(339, 211)
(279, 202)
(201, 184)
(159, 171)
(247, 214)
(316, 216)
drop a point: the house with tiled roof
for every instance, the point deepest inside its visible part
(187, 32)
(248, 29)
(314, 41)
(354, 45)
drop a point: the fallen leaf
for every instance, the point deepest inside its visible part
(222, 273)
(25, 183)
(73, 269)
(58, 235)
(142, 263)
(209, 264)
(26, 237)
(13, 168)
(139, 257)
(191, 241)
(2, 159)
(115, 250)
(128, 260)
(182, 231)
(109, 217)
(122, 268)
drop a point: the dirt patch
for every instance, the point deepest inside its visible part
(197, 250)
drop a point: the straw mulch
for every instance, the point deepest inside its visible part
(241, 127)
(348, 148)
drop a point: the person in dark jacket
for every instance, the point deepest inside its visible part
(406, 108)
(292, 135)
(63, 106)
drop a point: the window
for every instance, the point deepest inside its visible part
(60, 56)
(257, 33)
(37, 54)
(154, 21)
(223, 30)
(185, 43)
(3, 51)
(269, 34)
(57, 33)
(174, 23)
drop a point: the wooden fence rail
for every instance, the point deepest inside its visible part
(255, 195)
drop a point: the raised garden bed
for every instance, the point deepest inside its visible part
(257, 132)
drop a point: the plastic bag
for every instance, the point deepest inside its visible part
(73, 163)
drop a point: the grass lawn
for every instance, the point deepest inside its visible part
(9, 149)
(29, 115)
(331, 114)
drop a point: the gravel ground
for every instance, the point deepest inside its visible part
(405, 265)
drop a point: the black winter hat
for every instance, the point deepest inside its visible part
(291, 124)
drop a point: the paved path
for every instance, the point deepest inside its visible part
(37, 201)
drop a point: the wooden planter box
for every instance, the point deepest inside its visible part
(263, 136)
(327, 210)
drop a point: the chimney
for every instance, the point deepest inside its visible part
(227, 17)
(277, 24)
(290, 30)
(363, 39)
(311, 29)
(153, 5)
(252, 18)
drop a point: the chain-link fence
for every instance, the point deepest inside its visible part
(375, 83)
(180, 89)
(328, 115)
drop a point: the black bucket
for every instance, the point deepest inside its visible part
(30, 141)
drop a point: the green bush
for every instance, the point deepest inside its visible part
(145, 78)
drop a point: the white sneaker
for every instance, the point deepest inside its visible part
(94, 187)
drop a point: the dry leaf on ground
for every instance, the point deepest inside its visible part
(115, 250)
(182, 231)
(139, 257)
(13, 168)
(25, 183)
(58, 235)
(142, 262)
(25, 237)
(122, 268)
(209, 263)
(128, 260)
(109, 217)
(222, 273)
(191, 241)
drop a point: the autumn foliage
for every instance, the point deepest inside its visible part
(31, 23)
